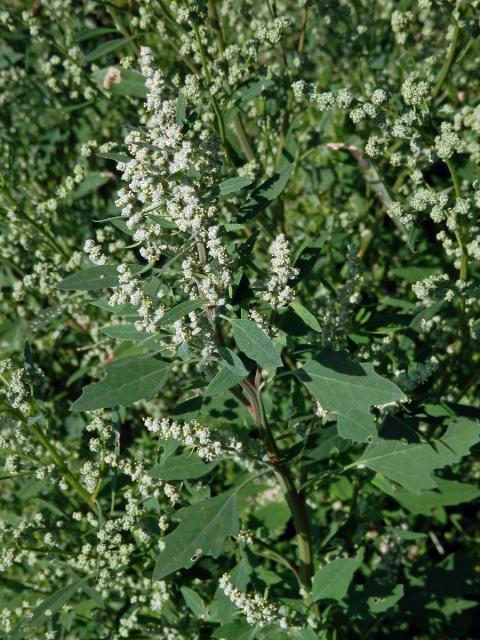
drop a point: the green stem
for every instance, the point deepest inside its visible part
(12, 266)
(215, 24)
(238, 125)
(51, 240)
(289, 108)
(46, 234)
(100, 478)
(206, 73)
(294, 499)
(62, 467)
(447, 65)
(281, 559)
(458, 232)
(17, 475)
(132, 47)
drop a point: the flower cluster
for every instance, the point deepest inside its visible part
(258, 611)
(279, 293)
(408, 381)
(339, 309)
(200, 438)
(17, 383)
(374, 236)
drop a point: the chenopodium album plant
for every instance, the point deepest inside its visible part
(273, 320)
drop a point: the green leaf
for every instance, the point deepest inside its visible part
(349, 390)
(202, 531)
(93, 278)
(179, 311)
(448, 493)
(125, 332)
(99, 277)
(412, 465)
(263, 196)
(232, 361)
(92, 181)
(224, 380)
(185, 466)
(86, 34)
(255, 343)
(307, 316)
(331, 582)
(93, 595)
(328, 444)
(405, 534)
(116, 157)
(53, 603)
(194, 602)
(119, 223)
(127, 380)
(181, 111)
(305, 261)
(106, 48)
(131, 83)
(126, 310)
(255, 89)
(380, 604)
(274, 515)
(426, 314)
(306, 634)
(238, 630)
(232, 185)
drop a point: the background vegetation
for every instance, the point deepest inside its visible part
(239, 319)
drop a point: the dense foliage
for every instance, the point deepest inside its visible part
(239, 335)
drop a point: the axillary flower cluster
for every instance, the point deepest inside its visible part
(256, 609)
(168, 205)
(196, 436)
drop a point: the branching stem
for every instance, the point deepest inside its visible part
(294, 499)
(62, 467)
(447, 65)
(238, 125)
(458, 232)
(288, 111)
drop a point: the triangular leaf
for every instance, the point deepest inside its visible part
(194, 602)
(412, 465)
(448, 493)
(380, 604)
(349, 390)
(202, 531)
(359, 424)
(127, 380)
(232, 361)
(327, 444)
